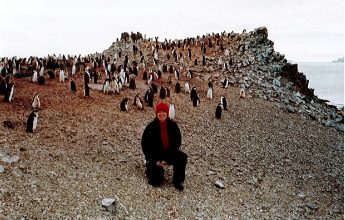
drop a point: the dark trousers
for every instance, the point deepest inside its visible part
(155, 174)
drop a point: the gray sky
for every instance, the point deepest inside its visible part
(303, 30)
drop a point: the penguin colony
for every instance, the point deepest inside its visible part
(169, 64)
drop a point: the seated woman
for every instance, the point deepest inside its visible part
(161, 143)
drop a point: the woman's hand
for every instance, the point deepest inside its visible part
(161, 163)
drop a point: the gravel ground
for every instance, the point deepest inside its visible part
(273, 164)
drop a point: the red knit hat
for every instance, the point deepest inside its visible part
(161, 106)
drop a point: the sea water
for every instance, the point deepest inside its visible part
(327, 79)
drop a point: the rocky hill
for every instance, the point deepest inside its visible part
(277, 153)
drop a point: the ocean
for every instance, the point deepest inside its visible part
(327, 80)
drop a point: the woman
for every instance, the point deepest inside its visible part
(161, 142)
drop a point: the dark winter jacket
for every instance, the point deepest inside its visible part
(152, 144)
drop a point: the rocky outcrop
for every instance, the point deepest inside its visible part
(253, 64)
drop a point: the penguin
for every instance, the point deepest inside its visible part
(165, 68)
(196, 62)
(172, 111)
(150, 100)
(196, 100)
(162, 93)
(167, 92)
(3, 86)
(41, 71)
(225, 67)
(150, 79)
(9, 92)
(138, 102)
(242, 93)
(73, 69)
(149, 97)
(86, 77)
(190, 74)
(51, 74)
(177, 74)
(154, 88)
(132, 83)
(159, 74)
(31, 123)
(210, 93)
(124, 104)
(86, 90)
(187, 87)
(223, 102)
(106, 86)
(169, 79)
(177, 87)
(155, 75)
(218, 111)
(210, 84)
(62, 76)
(155, 61)
(95, 77)
(145, 75)
(193, 93)
(72, 86)
(225, 83)
(36, 103)
(203, 60)
(40, 80)
(34, 76)
(115, 86)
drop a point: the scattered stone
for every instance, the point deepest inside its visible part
(311, 206)
(110, 204)
(219, 184)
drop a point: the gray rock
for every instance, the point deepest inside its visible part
(290, 109)
(311, 206)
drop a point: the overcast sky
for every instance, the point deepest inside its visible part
(303, 30)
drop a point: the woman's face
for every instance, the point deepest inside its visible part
(162, 116)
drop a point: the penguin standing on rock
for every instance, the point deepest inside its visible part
(149, 95)
(225, 83)
(193, 93)
(9, 92)
(196, 100)
(86, 90)
(219, 111)
(34, 76)
(223, 102)
(72, 85)
(124, 104)
(138, 102)
(177, 87)
(3, 86)
(167, 92)
(106, 86)
(162, 93)
(51, 74)
(62, 76)
(172, 111)
(209, 93)
(31, 123)
(132, 83)
(242, 93)
(36, 103)
(187, 87)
